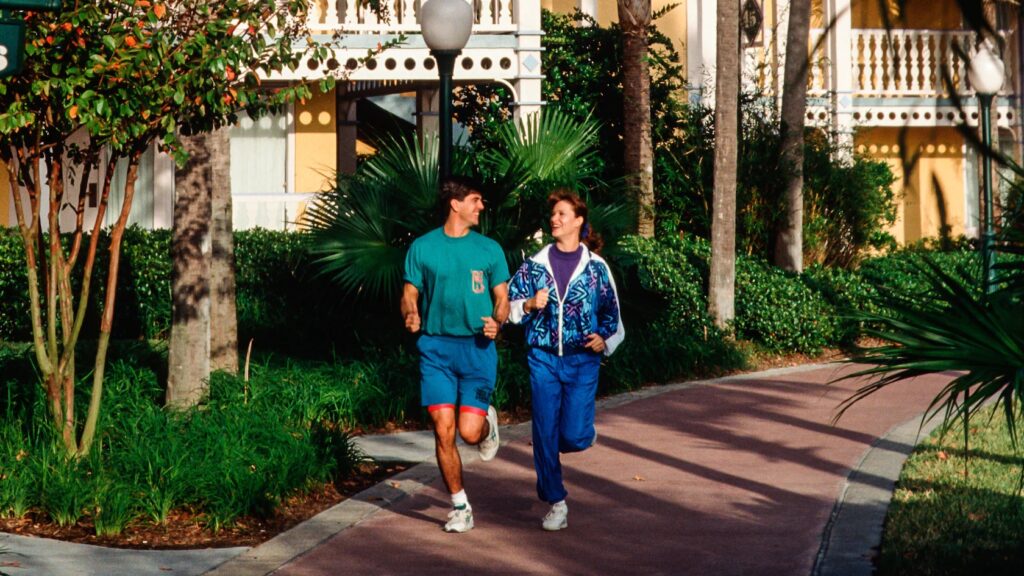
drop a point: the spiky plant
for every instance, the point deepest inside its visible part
(954, 328)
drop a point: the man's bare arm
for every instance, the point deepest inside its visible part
(501, 304)
(410, 308)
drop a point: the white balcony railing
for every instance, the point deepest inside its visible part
(272, 211)
(898, 63)
(401, 16)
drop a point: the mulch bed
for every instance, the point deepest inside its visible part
(184, 530)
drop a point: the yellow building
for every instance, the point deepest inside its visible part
(880, 89)
(877, 80)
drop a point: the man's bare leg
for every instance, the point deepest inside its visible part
(448, 459)
(473, 427)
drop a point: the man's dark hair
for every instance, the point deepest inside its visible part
(457, 188)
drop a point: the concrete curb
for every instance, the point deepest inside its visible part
(849, 543)
(29, 555)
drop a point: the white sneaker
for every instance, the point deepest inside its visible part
(460, 520)
(489, 446)
(558, 517)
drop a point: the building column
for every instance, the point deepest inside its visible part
(527, 84)
(345, 129)
(701, 29)
(163, 190)
(427, 105)
(776, 37)
(842, 73)
(588, 7)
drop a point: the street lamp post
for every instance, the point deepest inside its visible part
(986, 74)
(446, 27)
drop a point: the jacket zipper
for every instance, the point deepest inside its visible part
(561, 302)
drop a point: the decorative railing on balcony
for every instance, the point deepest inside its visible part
(271, 211)
(897, 63)
(401, 16)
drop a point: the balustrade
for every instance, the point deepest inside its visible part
(401, 16)
(899, 63)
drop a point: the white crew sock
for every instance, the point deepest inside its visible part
(459, 499)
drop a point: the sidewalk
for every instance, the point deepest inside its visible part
(741, 475)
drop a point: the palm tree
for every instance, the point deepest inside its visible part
(189, 347)
(635, 19)
(722, 281)
(956, 327)
(789, 241)
(361, 230)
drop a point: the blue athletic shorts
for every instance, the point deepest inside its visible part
(457, 370)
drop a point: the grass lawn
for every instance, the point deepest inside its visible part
(943, 522)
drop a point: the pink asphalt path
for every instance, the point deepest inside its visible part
(738, 476)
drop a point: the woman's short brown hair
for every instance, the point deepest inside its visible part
(579, 208)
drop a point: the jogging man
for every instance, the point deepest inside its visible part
(456, 294)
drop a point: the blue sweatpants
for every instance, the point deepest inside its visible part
(564, 388)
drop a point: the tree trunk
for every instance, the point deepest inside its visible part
(789, 240)
(189, 353)
(223, 316)
(635, 18)
(722, 283)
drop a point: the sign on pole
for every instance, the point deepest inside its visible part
(35, 5)
(12, 32)
(12, 46)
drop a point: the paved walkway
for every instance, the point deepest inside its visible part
(742, 475)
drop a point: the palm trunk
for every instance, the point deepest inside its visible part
(722, 281)
(635, 18)
(789, 240)
(223, 315)
(189, 350)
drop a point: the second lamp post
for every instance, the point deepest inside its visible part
(986, 74)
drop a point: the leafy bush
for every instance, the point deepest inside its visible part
(847, 293)
(903, 273)
(14, 314)
(582, 67)
(670, 334)
(145, 293)
(848, 204)
(778, 311)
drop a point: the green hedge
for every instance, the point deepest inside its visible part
(286, 307)
(282, 304)
(14, 308)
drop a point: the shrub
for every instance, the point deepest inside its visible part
(14, 314)
(848, 204)
(847, 293)
(903, 273)
(778, 311)
(670, 334)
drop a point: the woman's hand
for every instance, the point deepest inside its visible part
(595, 343)
(538, 302)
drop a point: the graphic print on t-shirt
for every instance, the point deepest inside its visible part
(478, 281)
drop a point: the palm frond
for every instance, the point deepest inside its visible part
(958, 330)
(362, 229)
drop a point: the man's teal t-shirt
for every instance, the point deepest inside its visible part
(454, 277)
